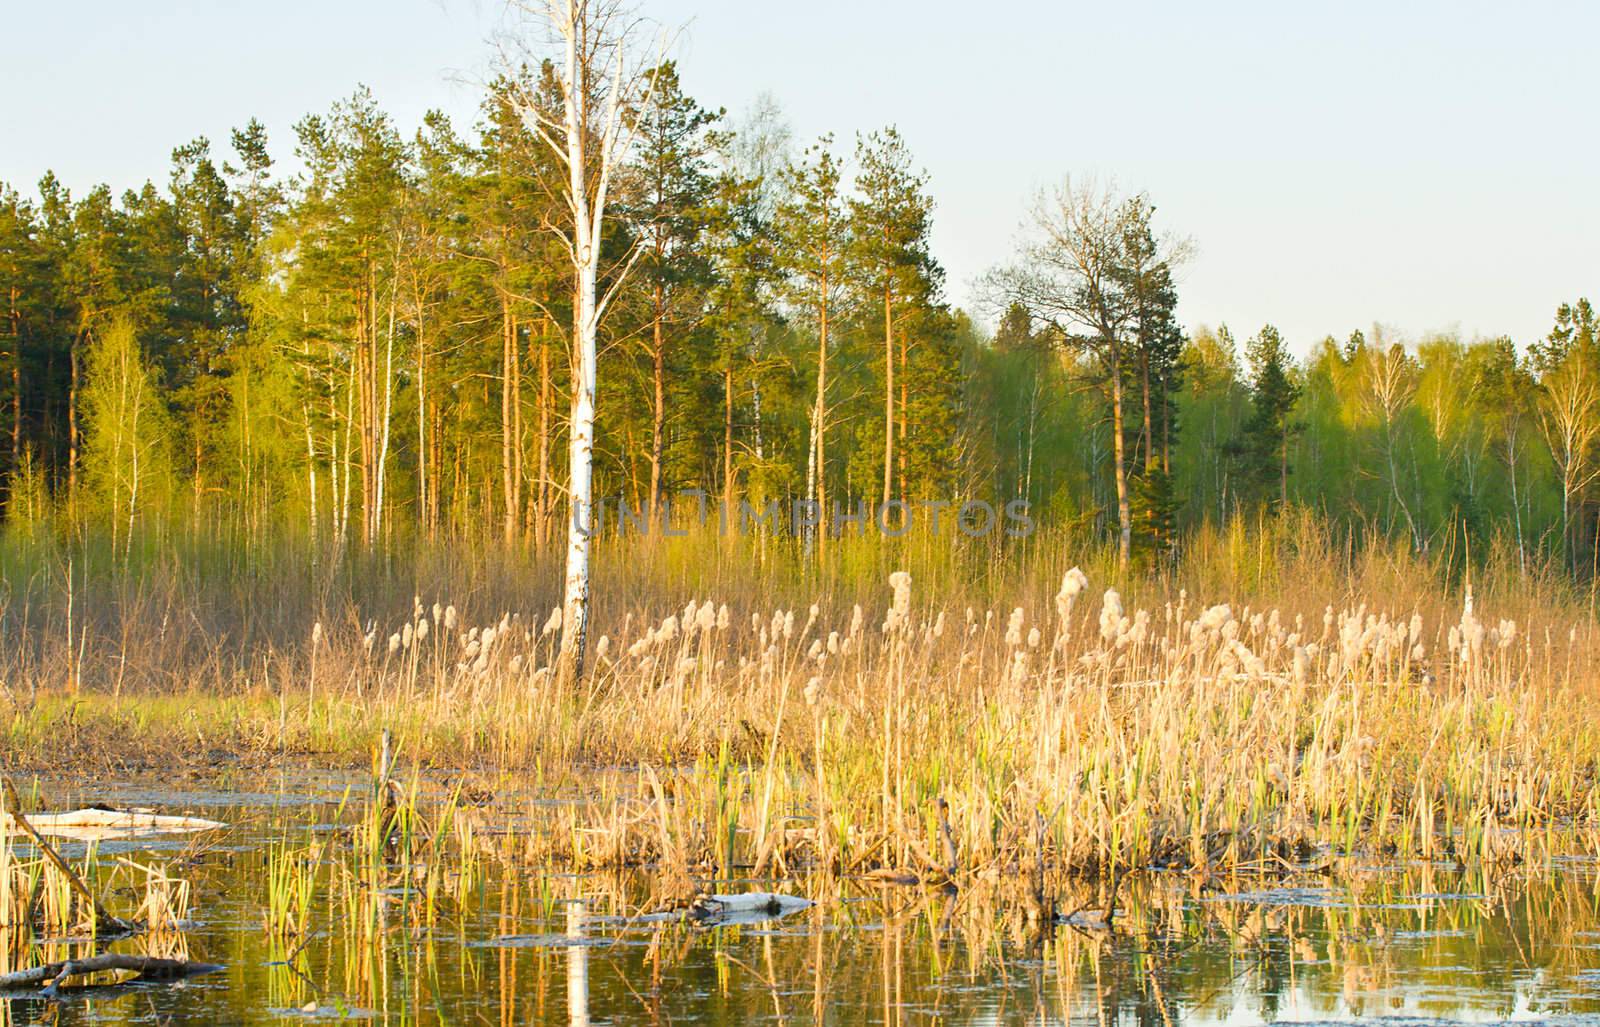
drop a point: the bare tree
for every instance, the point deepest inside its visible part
(1391, 382)
(1067, 276)
(1569, 414)
(590, 48)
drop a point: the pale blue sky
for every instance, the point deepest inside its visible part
(1426, 165)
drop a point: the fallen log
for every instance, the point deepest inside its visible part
(104, 921)
(749, 907)
(148, 968)
(103, 823)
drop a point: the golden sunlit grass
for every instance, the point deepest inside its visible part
(1274, 697)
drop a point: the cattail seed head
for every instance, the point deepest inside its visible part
(1110, 615)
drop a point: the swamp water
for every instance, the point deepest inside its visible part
(506, 945)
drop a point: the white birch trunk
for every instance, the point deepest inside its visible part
(592, 41)
(311, 471)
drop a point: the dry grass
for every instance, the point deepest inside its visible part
(1277, 693)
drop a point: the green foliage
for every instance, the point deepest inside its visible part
(1263, 445)
(128, 433)
(376, 351)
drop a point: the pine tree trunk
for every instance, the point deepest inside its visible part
(424, 461)
(368, 372)
(1119, 458)
(516, 428)
(16, 386)
(811, 472)
(903, 422)
(1149, 426)
(1283, 473)
(727, 439)
(72, 421)
(658, 407)
(435, 463)
(344, 453)
(507, 365)
(888, 396)
(1166, 425)
(542, 494)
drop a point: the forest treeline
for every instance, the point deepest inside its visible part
(377, 348)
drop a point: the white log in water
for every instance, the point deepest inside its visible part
(749, 906)
(88, 824)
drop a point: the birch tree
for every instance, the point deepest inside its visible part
(598, 79)
(127, 431)
(1504, 390)
(1391, 382)
(1569, 415)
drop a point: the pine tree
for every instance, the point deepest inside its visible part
(343, 266)
(672, 172)
(813, 243)
(257, 200)
(1145, 275)
(206, 314)
(25, 308)
(891, 217)
(738, 244)
(1264, 438)
(1015, 331)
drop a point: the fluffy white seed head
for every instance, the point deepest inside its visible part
(1110, 615)
(1014, 627)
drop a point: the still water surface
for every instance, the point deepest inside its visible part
(1371, 944)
